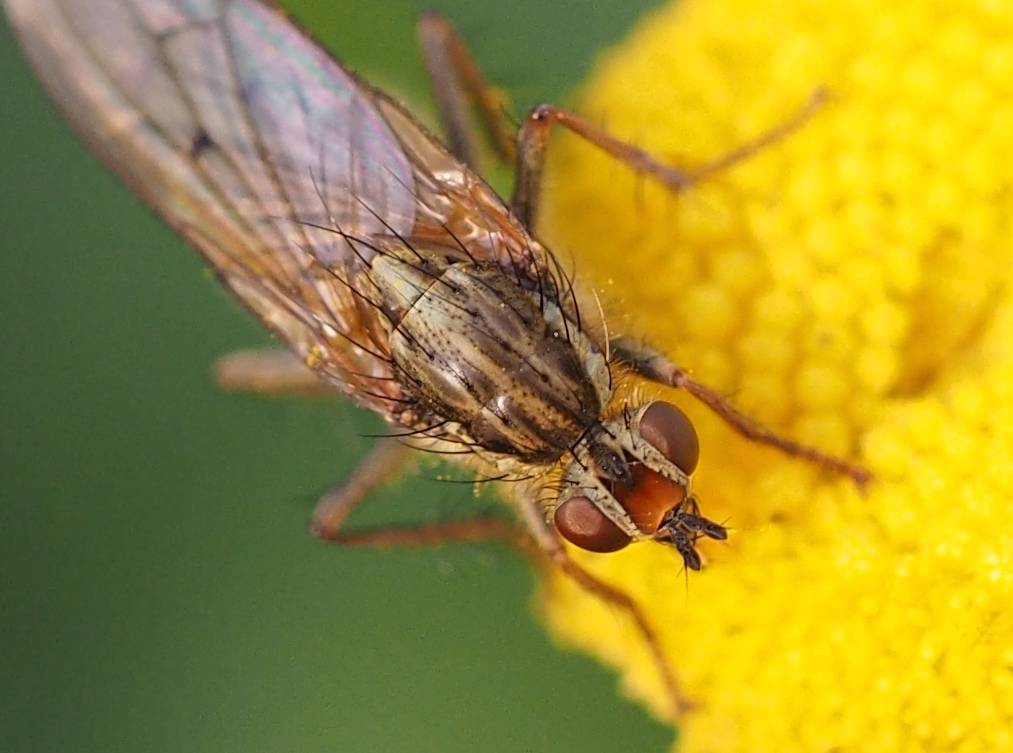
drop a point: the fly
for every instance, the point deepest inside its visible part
(390, 270)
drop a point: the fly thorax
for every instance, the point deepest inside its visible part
(479, 350)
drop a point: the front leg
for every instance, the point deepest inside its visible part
(535, 538)
(654, 365)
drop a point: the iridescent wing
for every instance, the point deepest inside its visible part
(279, 166)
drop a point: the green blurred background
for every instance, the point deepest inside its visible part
(158, 587)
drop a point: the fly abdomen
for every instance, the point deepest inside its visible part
(474, 347)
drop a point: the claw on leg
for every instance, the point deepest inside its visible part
(387, 457)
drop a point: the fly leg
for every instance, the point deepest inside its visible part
(387, 457)
(278, 372)
(545, 542)
(653, 365)
(533, 140)
(622, 601)
(544, 546)
(458, 84)
(270, 371)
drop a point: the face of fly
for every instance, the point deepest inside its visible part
(382, 262)
(631, 482)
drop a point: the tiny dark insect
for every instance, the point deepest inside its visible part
(389, 268)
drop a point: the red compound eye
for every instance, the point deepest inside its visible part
(581, 523)
(651, 497)
(671, 432)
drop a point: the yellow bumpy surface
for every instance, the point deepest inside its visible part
(849, 287)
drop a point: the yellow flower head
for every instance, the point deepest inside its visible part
(848, 287)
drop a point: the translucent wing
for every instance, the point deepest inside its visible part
(269, 158)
